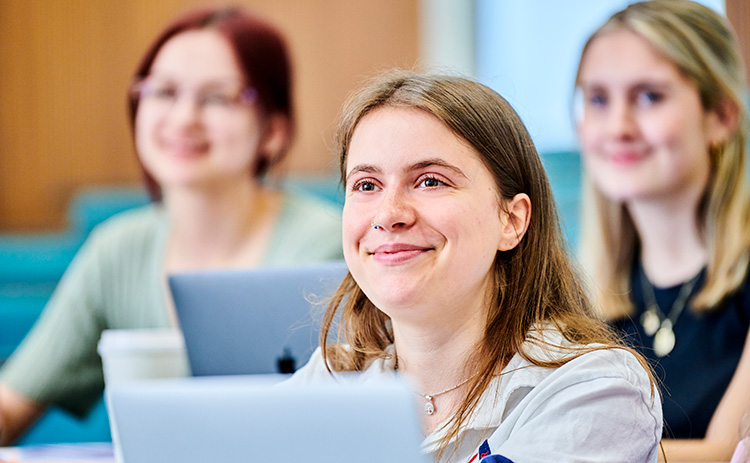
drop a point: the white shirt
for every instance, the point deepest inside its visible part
(599, 407)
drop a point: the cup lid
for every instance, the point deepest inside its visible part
(168, 339)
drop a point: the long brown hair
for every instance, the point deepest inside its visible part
(534, 283)
(703, 46)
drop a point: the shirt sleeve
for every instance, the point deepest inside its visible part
(601, 406)
(57, 363)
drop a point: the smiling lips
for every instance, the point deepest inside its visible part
(397, 253)
(183, 147)
(625, 157)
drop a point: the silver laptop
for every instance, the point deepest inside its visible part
(248, 419)
(253, 322)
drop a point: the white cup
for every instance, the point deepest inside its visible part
(142, 354)
(137, 355)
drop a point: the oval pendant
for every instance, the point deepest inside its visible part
(664, 341)
(650, 322)
(429, 408)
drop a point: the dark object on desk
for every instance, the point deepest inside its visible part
(286, 363)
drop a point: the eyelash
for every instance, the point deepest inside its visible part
(357, 186)
(431, 177)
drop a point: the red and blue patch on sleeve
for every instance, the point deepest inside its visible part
(484, 455)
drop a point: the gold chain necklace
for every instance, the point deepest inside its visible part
(655, 323)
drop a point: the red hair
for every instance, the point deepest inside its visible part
(262, 56)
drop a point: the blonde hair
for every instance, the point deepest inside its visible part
(534, 283)
(703, 47)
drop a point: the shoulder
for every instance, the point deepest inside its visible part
(309, 210)
(315, 369)
(130, 234)
(600, 403)
(308, 230)
(139, 222)
(582, 362)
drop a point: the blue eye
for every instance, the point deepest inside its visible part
(597, 100)
(648, 97)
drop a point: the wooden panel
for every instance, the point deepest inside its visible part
(738, 12)
(65, 67)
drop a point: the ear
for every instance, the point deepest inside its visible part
(276, 139)
(515, 218)
(721, 122)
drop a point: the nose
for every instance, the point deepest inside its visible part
(185, 110)
(395, 211)
(621, 121)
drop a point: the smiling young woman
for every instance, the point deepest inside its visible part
(460, 280)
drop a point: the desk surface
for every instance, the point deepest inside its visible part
(59, 453)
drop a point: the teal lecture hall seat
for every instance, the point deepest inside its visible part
(32, 264)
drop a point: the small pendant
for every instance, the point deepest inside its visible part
(429, 407)
(650, 322)
(664, 339)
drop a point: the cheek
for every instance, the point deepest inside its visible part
(674, 126)
(588, 134)
(144, 128)
(233, 134)
(355, 223)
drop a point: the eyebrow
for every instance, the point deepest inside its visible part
(217, 81)
(432, 162)
(637, 85)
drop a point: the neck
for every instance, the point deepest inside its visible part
(672, 250)
(436, 360)
(215, 228)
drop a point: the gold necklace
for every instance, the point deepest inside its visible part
(653, 320)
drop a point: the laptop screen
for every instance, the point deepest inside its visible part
(247, 418)
(257, 321)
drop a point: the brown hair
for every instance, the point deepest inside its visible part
(262, 56)
(534, 283)
(703, 47)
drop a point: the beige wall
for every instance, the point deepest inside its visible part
(64, 67)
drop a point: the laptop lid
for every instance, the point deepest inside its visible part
(253, 321)
(248, 419)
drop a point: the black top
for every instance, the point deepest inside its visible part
(708, 346)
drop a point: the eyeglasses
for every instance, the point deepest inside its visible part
(212, 99)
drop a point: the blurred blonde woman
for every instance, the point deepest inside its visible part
(666, 223)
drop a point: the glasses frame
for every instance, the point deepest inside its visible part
(246, 97)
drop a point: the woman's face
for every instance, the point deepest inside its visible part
(196, 125)
(437, 211)
(644, 133)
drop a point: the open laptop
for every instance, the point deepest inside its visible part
(258, 321)
(248, 419)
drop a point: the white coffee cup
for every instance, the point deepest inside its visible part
(142, 354)
(139, 355)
